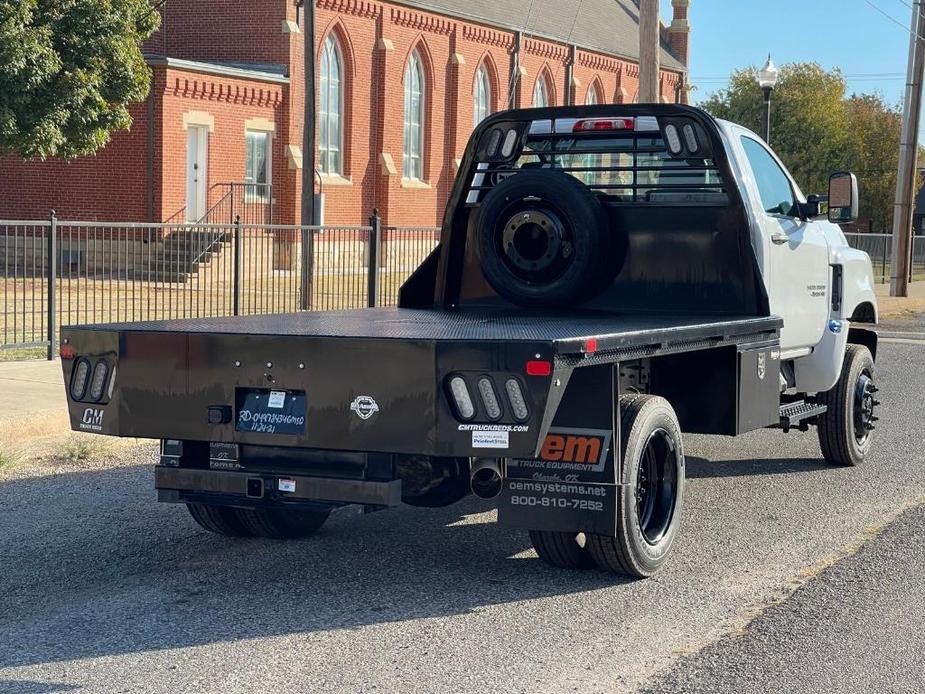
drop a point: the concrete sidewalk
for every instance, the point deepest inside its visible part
(893, 307)
(32, 401)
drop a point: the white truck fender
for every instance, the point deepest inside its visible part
(820, 370)
(859, 302)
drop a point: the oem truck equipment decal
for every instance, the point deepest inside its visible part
(576, 449)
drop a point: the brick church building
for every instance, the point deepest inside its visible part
(401, 84)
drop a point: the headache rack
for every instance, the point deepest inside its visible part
(626, 160)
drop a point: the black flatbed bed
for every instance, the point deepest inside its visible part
(567, 331)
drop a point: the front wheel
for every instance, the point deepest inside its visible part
(846, 428)
(649, 505)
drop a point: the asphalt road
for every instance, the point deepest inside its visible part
(102, 589)
(857, 628)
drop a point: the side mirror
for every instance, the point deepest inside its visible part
(843, 197)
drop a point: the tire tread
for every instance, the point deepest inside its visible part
(835, 428)
(560, 550)
(220, 520)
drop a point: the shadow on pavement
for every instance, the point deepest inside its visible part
(94, 566)
(700, 468)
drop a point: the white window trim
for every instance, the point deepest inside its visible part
(592, 90)
(269, 182)
(481, 76)
(542, 83)
(415, 64)
(324, 152)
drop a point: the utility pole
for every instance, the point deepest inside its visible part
(908, 150)
(649, 44)
(308, 153)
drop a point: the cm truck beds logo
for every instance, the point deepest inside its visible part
(92, 419)
(584, 449)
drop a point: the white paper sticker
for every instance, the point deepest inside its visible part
(287, 485)
(490, 439)
(277, 399)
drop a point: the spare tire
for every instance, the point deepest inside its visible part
(543, 240)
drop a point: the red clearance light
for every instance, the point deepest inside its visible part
(67, 352)
(590, 346)
(539, 368)
(598, 124)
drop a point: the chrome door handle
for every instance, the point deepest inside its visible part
(780, 239)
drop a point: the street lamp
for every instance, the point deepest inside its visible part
(767, 80)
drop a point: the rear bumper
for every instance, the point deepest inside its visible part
(180, 485)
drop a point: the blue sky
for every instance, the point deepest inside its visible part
(850, 34)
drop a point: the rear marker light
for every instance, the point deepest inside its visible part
(112, 384)
(507, 149)
(98, 384)
(494, 139)
(589, 346)
(79, 379)
(461, 397)
(690, 137)
(674, 140)
(67, 351)
(539, 368)
(489, 399)
(606, 124)
(516, 397)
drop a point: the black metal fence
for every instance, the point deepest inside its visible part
(57, 273)
(880, 249)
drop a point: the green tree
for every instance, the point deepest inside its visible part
(68, 70)
(809, 119)
(874, 156)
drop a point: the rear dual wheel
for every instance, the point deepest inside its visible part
(648, 506)
(273, 523)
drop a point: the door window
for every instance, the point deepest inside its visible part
(773, 184)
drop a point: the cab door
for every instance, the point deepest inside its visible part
(796, 267)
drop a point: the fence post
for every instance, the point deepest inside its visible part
(883, 261)
(237, 265)
(52, 282)
(375, 237)
(308, 260)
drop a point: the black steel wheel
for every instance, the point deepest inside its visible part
(282, 523)
(562, 550)
(846, 428)
(220, 520)
(649, 506)
(544, 240)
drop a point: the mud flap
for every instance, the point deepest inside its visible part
(572, 485)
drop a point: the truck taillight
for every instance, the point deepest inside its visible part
(673, 138)
(489, 398)
(80, 379)
(465, 408)
(515, 396)
(98, 384)
(604, 124)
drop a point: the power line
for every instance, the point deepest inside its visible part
(894, 20)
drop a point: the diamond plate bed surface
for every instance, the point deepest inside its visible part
(469, 325)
